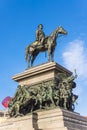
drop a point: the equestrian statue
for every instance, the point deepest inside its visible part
(43, 43)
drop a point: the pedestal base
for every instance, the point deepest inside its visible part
(19, 123)
(60, 119)
(55, 119)
(40, 73)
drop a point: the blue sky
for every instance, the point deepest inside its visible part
(18, 22)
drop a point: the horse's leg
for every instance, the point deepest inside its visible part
(34, 55)
(52, 56)
(29, 60)
(49, 52)
(32, 59)
(29, 57)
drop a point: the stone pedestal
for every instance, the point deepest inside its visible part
(55, 119)
(19, 123)
(60, 119)
(40, 73)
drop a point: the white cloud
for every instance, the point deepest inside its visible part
(75, 57)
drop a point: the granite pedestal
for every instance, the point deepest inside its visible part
(55, 119)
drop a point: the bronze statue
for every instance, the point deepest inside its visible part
(56, 92)
(42, 44)
(45, 95)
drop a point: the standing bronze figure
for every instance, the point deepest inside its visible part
(43, 44)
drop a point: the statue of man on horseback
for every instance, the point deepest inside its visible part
(43, 43)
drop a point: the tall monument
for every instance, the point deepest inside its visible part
(44, 99)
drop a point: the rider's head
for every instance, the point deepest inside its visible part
(40, 26)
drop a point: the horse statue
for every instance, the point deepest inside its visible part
(49, 45)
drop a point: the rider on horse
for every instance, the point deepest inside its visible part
(40, 36)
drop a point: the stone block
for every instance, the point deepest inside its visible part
(40, 73)
(53, 119)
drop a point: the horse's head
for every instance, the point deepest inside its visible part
(61, 30)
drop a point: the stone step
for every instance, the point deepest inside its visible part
(56, 119)
(76, 124)
(62, 128)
